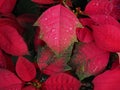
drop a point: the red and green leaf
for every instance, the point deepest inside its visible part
(50, 64)
(58, 28)
(88, 60)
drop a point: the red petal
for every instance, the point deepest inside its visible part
(11, 20)
(11, 42)
(86, 21)
(99, 7)
(62, 81)
(6, 6)
(105, 19)
(84, 35)
(109, 80)
(25, 69)
(9, 81)
(107, 37)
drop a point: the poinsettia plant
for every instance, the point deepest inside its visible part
(59, 45)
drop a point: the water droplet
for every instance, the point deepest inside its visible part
(55, 38)
(70, 28)
(65, 39)
(97, 4)
(106, 16)
(106, 12)
(46, 18)
(53, 30)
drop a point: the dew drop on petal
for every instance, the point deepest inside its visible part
(53, 30)
(65, 39)
(97, 4)
(46, 18)
(106, 16)
(70, 28)
(55, 38)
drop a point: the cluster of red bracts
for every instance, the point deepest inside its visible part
(98, 37)
(21, 76)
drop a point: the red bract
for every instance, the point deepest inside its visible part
(116, 9)
(11, 42)
(6, 6)
(109, 80)
(104, 19)
(61, 81)
(25, 69)
(99, 7)
(86, 21)
(58, 28)
(37, 41)
(107, 37)
(88, 60)
(84, 35)
(9, 81)
(43, 1)
(11, 22)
